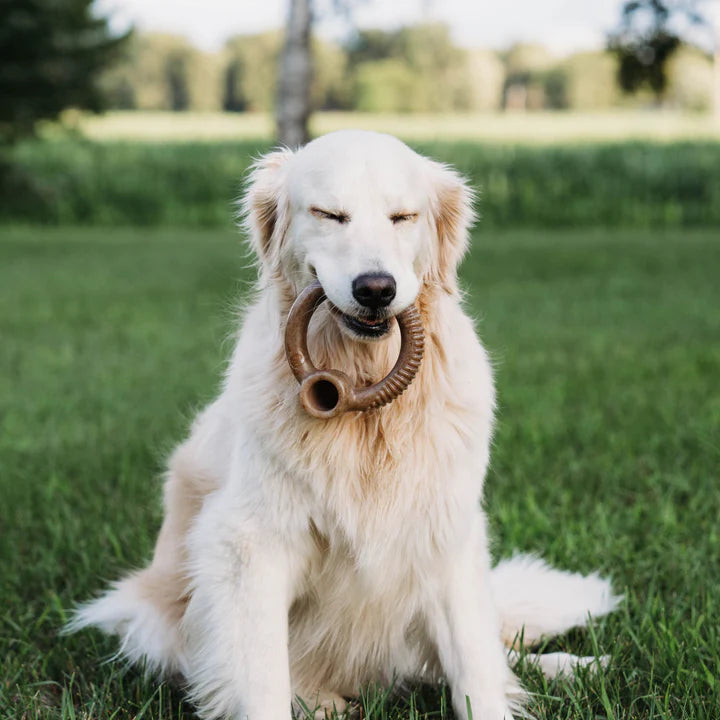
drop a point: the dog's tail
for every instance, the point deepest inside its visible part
(147, 634)
(535, 601)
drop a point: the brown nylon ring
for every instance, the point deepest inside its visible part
(327, 393)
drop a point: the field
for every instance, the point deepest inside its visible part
(529, 128)
(607, 355)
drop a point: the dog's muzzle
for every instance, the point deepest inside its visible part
(327, 393)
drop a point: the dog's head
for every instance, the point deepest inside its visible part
(372, 220)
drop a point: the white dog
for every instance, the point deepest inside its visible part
(302, 558)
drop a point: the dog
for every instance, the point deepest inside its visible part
(301, 559)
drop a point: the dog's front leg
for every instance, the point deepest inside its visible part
(466, 630)
(236, 623)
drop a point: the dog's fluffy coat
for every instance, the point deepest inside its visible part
(306, 558)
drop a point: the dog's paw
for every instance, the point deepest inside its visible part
(322, 705)
(484, 708)
(486, 711)
(554, 664)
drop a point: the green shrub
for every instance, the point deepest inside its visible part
(632, 184)
(125, 183)
(626, 184)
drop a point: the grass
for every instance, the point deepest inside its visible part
(607, 349)
(527, 128)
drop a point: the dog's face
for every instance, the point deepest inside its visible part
(365, 215)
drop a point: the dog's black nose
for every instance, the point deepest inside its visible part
(374, 290)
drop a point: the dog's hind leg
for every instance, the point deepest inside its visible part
(145, 608)
(535, 601)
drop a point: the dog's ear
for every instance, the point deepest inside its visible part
(452, 211)
(264, 206)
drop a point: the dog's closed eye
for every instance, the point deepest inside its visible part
(337, 215)
(400, 217)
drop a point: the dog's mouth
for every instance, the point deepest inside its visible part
(368, 327)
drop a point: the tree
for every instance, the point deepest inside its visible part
(372, 44)
(647, 39)
(418, 69)
(386, 86)
(251, 72)
(590, 81)
(439, 66)
(715, 20)
(296, 93)
(690, 79)
(52, 55)
(486, 80)
(330, 87)
(165, 72)
(295, 74)
(528, 67)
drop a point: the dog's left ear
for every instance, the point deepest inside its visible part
(264, 206)
(453, 215)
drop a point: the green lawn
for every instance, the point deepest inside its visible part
(607, 455)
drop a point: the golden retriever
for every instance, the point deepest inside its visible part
(302, 558)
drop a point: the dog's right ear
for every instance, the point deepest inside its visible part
(264, 206)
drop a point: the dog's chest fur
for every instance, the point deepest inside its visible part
(382, 528)
(371, 477)
(377, 500)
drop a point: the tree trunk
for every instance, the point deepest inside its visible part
(293, 100)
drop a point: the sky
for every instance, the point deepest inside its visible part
(562, 25)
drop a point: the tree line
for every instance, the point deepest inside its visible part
(55, 55)
(413, 69)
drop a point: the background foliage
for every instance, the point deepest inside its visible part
(638, 184)
(413, 69)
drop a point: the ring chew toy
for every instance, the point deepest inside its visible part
(327, 393)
